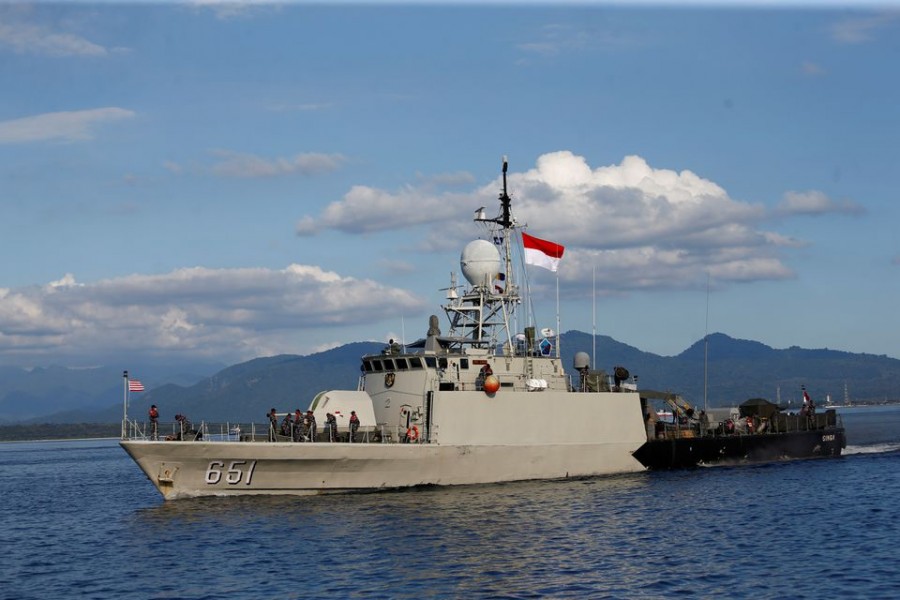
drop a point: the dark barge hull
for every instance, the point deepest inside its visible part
(688, 452)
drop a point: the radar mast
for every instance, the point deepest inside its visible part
(480, 317)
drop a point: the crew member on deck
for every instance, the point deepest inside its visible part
(286, 425)
(311, 420)
(153, 413)
(620, 375)
(273, 424)
(354, 425)
(298, 425)
(331, 427)
(704, 423)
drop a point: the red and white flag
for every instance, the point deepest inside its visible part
(542, 253)
(135, 386)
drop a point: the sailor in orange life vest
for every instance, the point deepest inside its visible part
(153, 413)
(354, 425)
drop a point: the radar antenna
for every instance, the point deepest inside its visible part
(505, 218)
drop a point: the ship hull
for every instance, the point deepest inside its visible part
(190, 469)
(683, 453)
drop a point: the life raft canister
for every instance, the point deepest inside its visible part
(491, 384)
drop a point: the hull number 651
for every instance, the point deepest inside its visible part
(238, 471)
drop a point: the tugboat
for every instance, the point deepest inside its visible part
(482, 403)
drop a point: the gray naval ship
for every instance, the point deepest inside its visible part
(483, 403)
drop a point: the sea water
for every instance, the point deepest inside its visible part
(79, 519)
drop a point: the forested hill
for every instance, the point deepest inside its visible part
(743, 369)
(737, 370)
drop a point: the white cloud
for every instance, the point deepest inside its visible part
(650, 268)
(860, 30)
(248, 165)
(68, 126)
(646, 227)
(220, 314)
(557, 38)
(365, 209)
(814, 202)
(234, 9)
(27, 38)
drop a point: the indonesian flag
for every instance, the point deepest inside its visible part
(135, 386)
(542, 253)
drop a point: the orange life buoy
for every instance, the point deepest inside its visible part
(412, 434)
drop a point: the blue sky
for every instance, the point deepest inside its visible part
(221, 181)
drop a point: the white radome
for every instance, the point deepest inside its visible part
(480, 262)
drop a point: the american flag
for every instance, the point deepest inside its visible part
(135, 386)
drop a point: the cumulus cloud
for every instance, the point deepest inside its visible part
(220, 314)
(364, 210)
(67, 126)
(645, 227)
(649, 268)
(816, 203)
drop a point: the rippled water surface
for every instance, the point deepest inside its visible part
(80, 520)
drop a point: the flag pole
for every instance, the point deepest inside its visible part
(594, 317)
(125, 404)
(558, 332)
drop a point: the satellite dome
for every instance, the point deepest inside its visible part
(480, 262)
(582, 360)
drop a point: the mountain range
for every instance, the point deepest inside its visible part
(736, 371)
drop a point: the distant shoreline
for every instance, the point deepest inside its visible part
(59, 431)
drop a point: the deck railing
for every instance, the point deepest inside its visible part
(255, 432)
(780, 423)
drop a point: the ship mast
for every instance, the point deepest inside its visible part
(506, 226)
(481, 316)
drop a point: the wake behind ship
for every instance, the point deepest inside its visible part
(482, 403)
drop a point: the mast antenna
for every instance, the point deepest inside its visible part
(505, 219)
